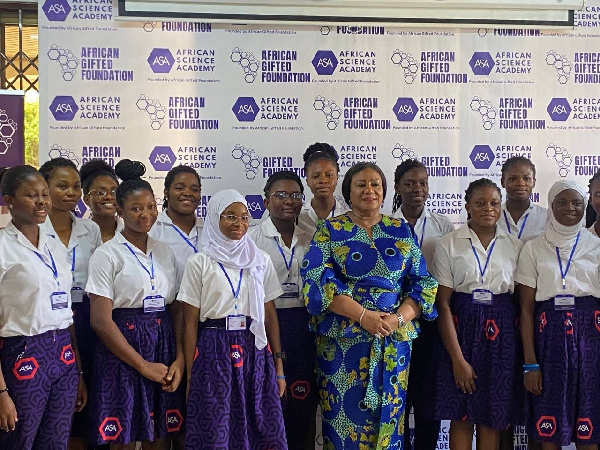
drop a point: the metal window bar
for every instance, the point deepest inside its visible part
(19, 70)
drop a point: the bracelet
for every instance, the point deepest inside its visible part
(530, 368)
(281, 377)
(280, 355)
(401, 321)
(361, 316)
(2, 391)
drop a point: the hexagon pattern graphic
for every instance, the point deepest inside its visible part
(247, 62)
(154, 109)
(58, 151)
(66, 59)
(561, 157)
(248, 158)
(330, 109)
(407, 63)
(486, 110)
(561, 64)
(403, 152)
(8, 128)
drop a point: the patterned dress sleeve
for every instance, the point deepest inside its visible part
(320, 280)
(419, 284)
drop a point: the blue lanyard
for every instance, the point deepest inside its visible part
(235, 292)
(73, 265)
(522, 226)
(52, 267)
(184, 237)
(149, 272)
(564, 274)
(333, 210)
(422, 232)
(288, 266)
(487, 260)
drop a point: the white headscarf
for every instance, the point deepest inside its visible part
(563, 236)
(240, 254)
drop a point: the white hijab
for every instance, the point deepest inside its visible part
(563, 236)
(240, 254)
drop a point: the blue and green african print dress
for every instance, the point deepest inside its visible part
(362, 379)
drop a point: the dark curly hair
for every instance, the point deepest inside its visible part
(49, 166)
(171, 177)
(282, 175)
(401, 169)
(320, 150)
(130, 172)
(356, 168)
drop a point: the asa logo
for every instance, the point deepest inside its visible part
(481, 63)
(405, 109)
(324, 62)
(237, 355)
(546, 426)
(162, 158)
(584, 428)
(161, 60)
(482, 157)
(56, 10)
(256, 206)
(569, 324)
(63, 108)
(559, 109)
(597, 320)
(67, 355)
(245, 109)
(491, 330)
(80, 209)
(26, 368)
(174, 420)
(300, 389)
(110, 429)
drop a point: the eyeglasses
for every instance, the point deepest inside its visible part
(232, 218)
(102, 192)
(283, 196)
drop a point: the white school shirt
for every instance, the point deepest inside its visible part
(205, 286)
(538, 268)
(534, 227)
(116, 274)
(436, 226)
(165, 231)
(593, 230)
(307, 220)
(26, 284)
(267, 238)
(84, 239)
(455, 266)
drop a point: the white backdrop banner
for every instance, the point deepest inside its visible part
(241, 102)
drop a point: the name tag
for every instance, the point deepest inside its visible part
(154, 303)
(564, 302)
(76, 295)
(290, 290)
(236, 323)
(59, 300)
(483, 297)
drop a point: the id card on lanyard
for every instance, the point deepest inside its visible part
(155, 302)
(483, 296)
(290, 289)
(565, 302)
(235, 322)
(59, 298)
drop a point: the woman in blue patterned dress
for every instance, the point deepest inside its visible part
(365, 282)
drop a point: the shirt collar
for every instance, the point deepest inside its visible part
(164, 219)
(269, 230)
(120, 239)
(465, 232)
(43, 239)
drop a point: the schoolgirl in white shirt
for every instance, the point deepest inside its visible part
(411, 186)
(520, 217)
(99, 183)
(559, 277)
(80, 237)
(322, 172)
(286, 245)
(229, 318)
(475, 383)
(139, 363)
(40, 385)
(177, 224)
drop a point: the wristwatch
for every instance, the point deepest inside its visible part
(401, 321)
(280, 355)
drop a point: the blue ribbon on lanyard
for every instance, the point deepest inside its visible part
(184, 237)
(564, 274)
(422, 232)
(52, 267)
(288, 266)
(73, 265)
(149, 272)
(487, 260)
(522, 225)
